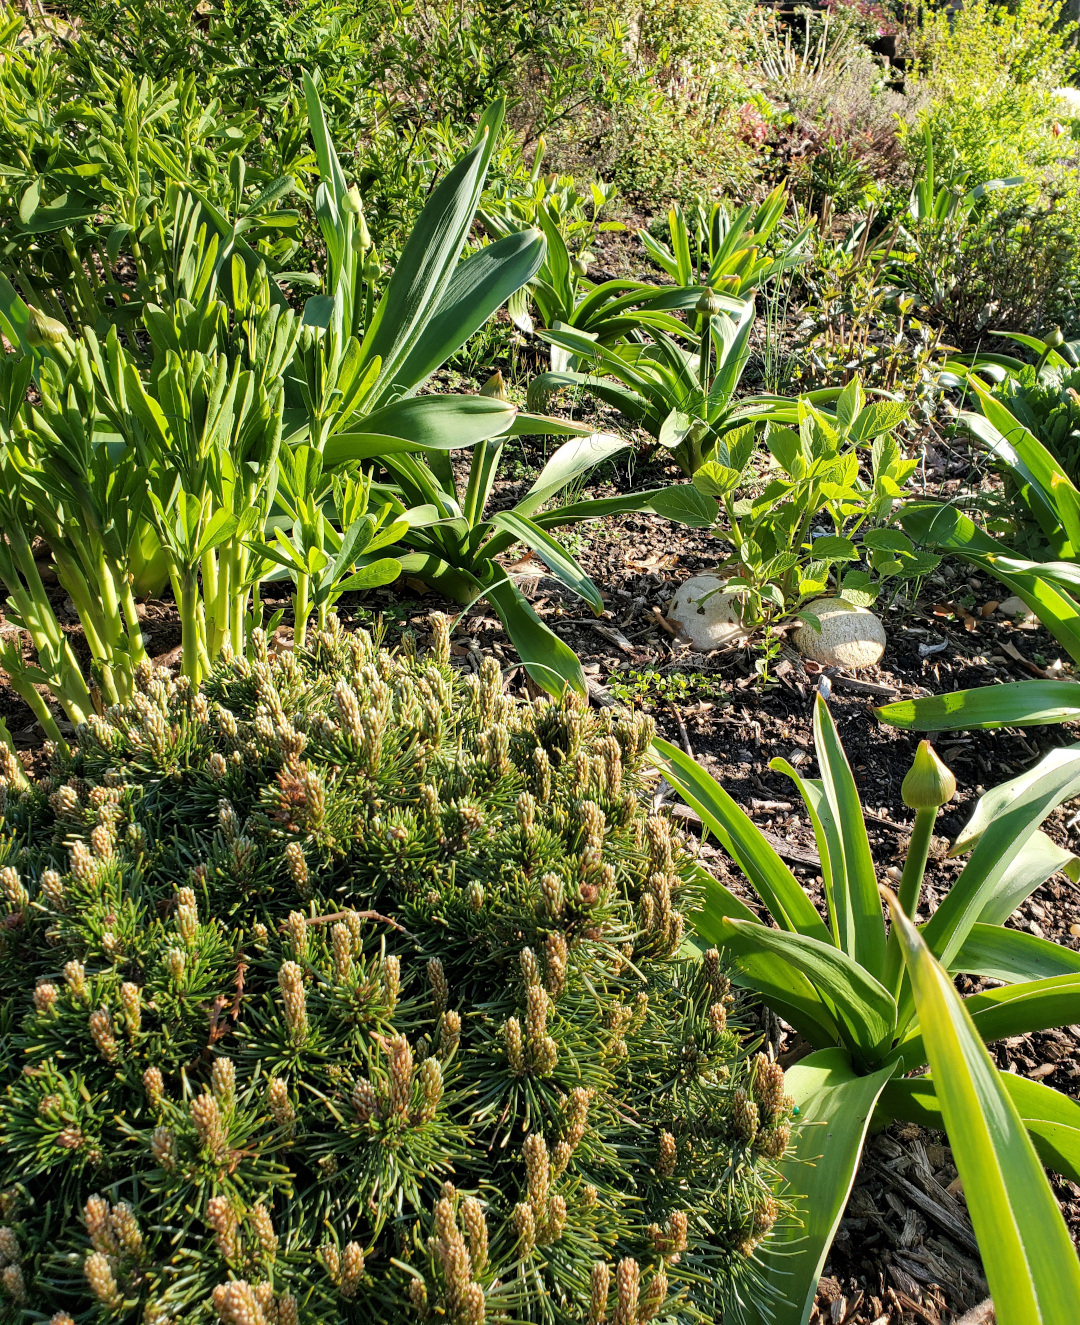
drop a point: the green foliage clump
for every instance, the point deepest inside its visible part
(345, 988)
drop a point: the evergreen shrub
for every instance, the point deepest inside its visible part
(349, 989)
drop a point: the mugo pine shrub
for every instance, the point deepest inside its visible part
(348, 989)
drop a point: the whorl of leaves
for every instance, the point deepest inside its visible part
(350, 989)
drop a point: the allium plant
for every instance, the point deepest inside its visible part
(348, 989)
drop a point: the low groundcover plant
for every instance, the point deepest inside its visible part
(347, 988)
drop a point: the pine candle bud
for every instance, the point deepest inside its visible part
(154, 1085)
(341, 945)
(515, 1053)
(449, 1035)
(288, 1310)
(163, 1148)
(52, 889)
(745, 1119)
(223, 1080)
(665, 1164)
(175, 964)
(298, 935)
(126, 1229)
(768, 1086)
(102, 1032)
(600, 1285)
(45, 996)
(717, 1018)
(352, 1269)
(530, 967)
(12, 887)
(291, 981)
(391, 981)
(929, 784)
(431, 1089)
(537, 1169)
(296, 864)
(555, 958)
(222, 1219)
(440, 991)
(61, 1318)
(654, 1297)
(364, 1101)
(627, 1287)
(99, 1276)
(401, 1075)
(206, 1117)
(281, 1108)
(525, 1224)
(10, 1251)
(472, 1215)
(130, 1001)
(187, 915)
(554, 895)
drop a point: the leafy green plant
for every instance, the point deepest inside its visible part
(683, 398)
(880, 1005)
(712, 247)
(777, 559)
(351, 990)
(453, 542)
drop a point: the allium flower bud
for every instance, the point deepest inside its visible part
(102, 1031)
(928, 784)
(45, 996)
(163, 1148)
(600, 1280)
(154, 1085)
(627, 1287)
(130, 1001)
(99, 1276)
(291, 981)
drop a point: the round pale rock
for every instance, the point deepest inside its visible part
(850, 636)
(711, 622)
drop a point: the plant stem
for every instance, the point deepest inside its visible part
(915, 865)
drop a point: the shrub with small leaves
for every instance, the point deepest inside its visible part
(350, 989)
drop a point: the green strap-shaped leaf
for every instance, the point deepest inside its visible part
(550, 661)
(787, 992)
(997, 848)
(1014, 704)
(1052, 1119)
(681, 503)
(835, 1108)
(1017, 1009)
(1011, 955)
(864, 1009)
(774, 883)
(854, 882)
(554, 556)
(1029, 1259)
(442, 423)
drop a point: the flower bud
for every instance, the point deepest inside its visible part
(44, 330)
(495, 387)
(708, 304)
(928, 784)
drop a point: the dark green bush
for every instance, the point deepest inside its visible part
(349, 989)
